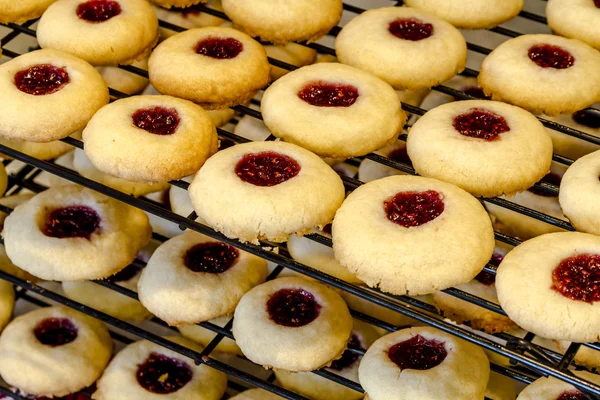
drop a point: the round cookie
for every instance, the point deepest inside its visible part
(7, 302)
(275, 188)
(553, 389)
(370, 170)
(23, 10)
(548, 286)
(47, 95)
(398, 45)
(34, 344)
(487, 148)
(256, 394)
(333, 110)
(543, 74)
(214, 67)
(283, 22)
(56, 232)
(124, 81)
(293, 324)
(188, 17)
(417, 235)
(146, 371)
(423, 363)
(101, 32)
(204, 336)
(575, 19)
(42, 151)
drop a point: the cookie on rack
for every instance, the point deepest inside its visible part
(23, 10)
(125, 81)
(543, 73)
(204, 336)
(47, 95)
(575, 19)
(405, 47)
(549, 388)
(188, 17)
(33, 345)
(7, 302)
(41, 151)
(101, 32)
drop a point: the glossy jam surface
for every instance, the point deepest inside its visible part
(55, 332)
(572, 395)
(480, 124)
(41, 79)
(125, 274)
(212, 257)
(98, 10)
(410, 29)
(323, 94)
(157, 120)
(414, 208)
(267, 168)
(588, 119)
(400, 155)
(487, 278)
(578, 278)
(219, 48)
(72, 222)
(293, 307)
(348, 358)
(418, 353)
(549, 56)
(163, 375)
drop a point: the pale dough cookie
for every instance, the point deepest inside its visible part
(423, 363)
(7, 302)
(417, 235)
(275, 188)
(101, 32)
(553, 389)
(150, 138)
(147, 371)
(470, 14)
(124, 81)
(47, 95)
(54, 351)
(543, 74)
(487, 148)
(22, 10)
(192, 278)
(548, 286)
(333, 110)
(214, 67)
(56, 232)
(370, 170)
(291, 53)
(403, 46)
(575, 19)
(293, 324)
(188, 17)
(282, 22)
(256, 394)
(42, 151)
(570, 146)
(204, 336)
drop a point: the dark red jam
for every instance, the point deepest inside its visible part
(414, 208)
(348, 358)
(578, 278)
(41, 79)
(98, 10)
(480, 124)
(219, 48)
(55, 332)
(211, 257)
(410, 29)
(125, 274)
(293, 307)
(597, 3)
(267, 168)
(550, 177)
(163, 375)
(323, 94)
(549, 56)
(418, 353)
(588, 119)
(400, 155)
(72, 222)
(573, 394)
(157, 120)
(475, 91)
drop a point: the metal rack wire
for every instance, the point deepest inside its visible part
(529, 360)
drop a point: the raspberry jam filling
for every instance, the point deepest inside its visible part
(125, 274)
(578, 278)
(487, 278)
(348, 357)
(41, 79)
(219, 48)
(163, 375)
(573, 394)
(293, 308)
(267, 168)
(55, 332)
(585, 118)
(414, 208)
(212, 257)
(98, 10)
(400, 155)
(157, 120)
(480, 124)
(418, 353)
(597, 3)
(323, 94)
(410, 29)
(549, 56)
(72, 222)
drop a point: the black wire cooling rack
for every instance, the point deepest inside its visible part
(528, 361)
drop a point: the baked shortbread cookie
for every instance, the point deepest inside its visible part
(101, 32)
(292, 324)
(23, 10)
(333, 110)
(423, 363)
(146, 371)
(187, 17)
(275, 188)
(256, 394)
(124, 81)
(214, 67)
(47, 95)
(543, 73)
(399, 44)
(7, 302)
(34, 345)
(549, 286)
(282, 22)
(417, 235)
(204, 336)
(56, 232)
(575, 19)
(554, 389)
(370, 170)
(487, 148)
